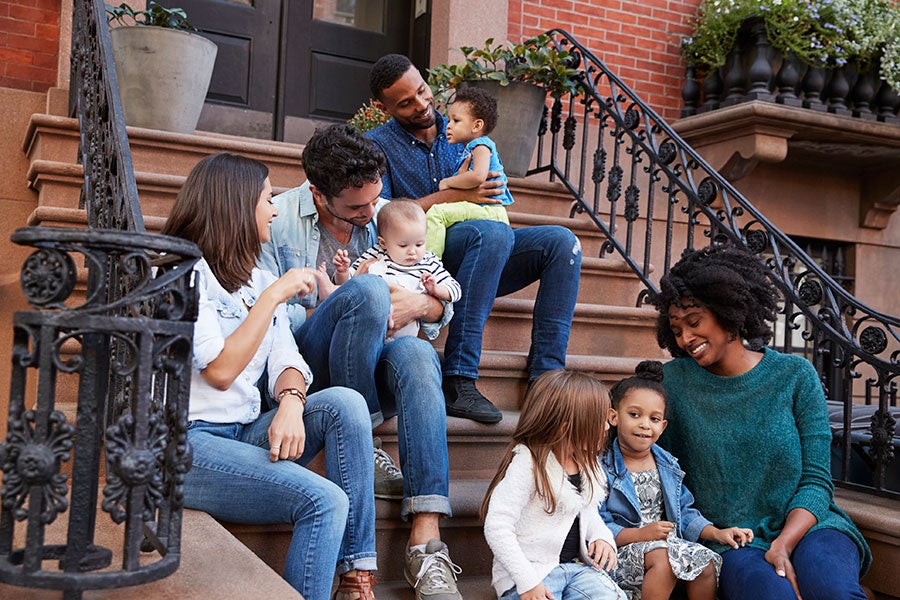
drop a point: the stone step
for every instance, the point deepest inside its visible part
(471, 588)
(596, 329)
(214, 564)
(462, 533)
(603, 281)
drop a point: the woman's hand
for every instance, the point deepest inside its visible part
(295, 282)
(538, 592)
(779, 557)
(602, 555)
(287, 433)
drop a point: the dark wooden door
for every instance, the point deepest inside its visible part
(285, 66)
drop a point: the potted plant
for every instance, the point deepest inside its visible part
(163, 68)
(825, 34)
(519, 76)
(368, 117)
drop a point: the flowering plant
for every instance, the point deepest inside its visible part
(368, 117)
(825, 33)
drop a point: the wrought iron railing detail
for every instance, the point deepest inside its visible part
(652, 197)
(128, 342)
(147, 453)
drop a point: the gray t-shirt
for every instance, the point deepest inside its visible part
(328, 246)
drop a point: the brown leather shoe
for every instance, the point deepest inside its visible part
(356, 587)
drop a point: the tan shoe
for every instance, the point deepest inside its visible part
(355, 587)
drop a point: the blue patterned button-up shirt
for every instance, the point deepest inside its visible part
(407, 155)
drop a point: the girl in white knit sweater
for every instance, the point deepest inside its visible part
(541, 516)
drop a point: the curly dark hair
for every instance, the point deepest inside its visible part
(338, 157)
(386, 71)
(648, 375)
(481, 106)
(733, 284)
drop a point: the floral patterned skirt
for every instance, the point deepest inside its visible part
(688, 559)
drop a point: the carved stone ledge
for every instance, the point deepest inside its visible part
(736, 139)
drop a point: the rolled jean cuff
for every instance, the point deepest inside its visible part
(425, 504)
(377, 419)
(364, 561)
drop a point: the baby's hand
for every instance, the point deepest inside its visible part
(341, 261)
(658, 531)
(733, 536)
(602, 555)
(429, 282)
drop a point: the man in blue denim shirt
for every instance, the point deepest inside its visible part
(487, 257)
(344, 340)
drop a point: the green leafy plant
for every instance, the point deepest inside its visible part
(368, 117)
(536, 60)
(154, 15)
(825, 33)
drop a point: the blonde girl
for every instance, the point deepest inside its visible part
(540, 513)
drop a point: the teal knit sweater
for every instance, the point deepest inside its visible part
(755, 446)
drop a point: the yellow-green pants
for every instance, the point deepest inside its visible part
(441, 216)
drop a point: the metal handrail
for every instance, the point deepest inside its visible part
(606, 139)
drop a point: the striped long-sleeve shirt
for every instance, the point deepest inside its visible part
(410, 278)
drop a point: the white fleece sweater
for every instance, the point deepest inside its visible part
(525, 540)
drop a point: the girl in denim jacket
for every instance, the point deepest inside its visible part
(649, 509)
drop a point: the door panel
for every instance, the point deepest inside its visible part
(285, 66)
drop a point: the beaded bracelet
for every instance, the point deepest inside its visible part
(291, 392)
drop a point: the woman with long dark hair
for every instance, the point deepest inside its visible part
(249, 466)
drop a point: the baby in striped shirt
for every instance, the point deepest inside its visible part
(400, 258)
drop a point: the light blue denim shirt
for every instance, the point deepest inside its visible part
(622, 509)
(219, 314)
(295, 243)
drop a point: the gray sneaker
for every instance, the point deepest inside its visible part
(431, 573)
(388, 478)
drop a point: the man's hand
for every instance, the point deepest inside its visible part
(363, 267)
(408, 306)
(489, 192)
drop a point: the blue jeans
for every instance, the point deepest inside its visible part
(576, 581)
(489, 259)
(232, 479)
(343, 342)
(826, 563)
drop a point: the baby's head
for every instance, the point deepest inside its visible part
(638, 409)
(401, 231)
(472, 115)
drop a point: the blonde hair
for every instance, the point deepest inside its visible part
(397, 210)
(564, 411)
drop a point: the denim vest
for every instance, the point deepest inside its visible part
(622, 509)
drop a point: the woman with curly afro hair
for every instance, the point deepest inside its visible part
(751, 427)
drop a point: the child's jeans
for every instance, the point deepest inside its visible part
(576, 581)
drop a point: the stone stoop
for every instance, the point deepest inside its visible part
(214, 564)
(878, 519)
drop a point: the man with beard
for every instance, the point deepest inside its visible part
(345, 337)
(487, 258)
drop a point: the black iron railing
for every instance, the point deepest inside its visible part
(653, 197)
(127, 338)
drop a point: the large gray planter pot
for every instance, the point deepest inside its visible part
(520, 106)
(163, 76)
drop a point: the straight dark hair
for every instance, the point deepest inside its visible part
(216, 209)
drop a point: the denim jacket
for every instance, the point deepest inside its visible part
(295, 243)
(621, 509)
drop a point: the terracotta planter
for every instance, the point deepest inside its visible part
(163, 76)
(519, 106)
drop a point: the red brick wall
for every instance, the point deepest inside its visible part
(637, 39)
(29, 44)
